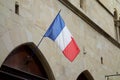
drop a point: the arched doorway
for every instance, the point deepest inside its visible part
(26, 62)
(85, 75)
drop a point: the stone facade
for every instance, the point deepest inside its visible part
(34, 18)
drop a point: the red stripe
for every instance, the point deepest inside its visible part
(72, 50)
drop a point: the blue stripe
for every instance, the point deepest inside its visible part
(55, 28)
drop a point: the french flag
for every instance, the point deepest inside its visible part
(59, 33)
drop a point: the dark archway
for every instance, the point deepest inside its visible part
(85, 75)
(26, 62)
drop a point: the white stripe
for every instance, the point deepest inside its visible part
(63, 38)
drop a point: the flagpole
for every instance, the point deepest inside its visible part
(59, 11)
(44, 34)
(40, 41)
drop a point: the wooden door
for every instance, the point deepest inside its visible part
(82, 77)
(22, 64)
(85, 75)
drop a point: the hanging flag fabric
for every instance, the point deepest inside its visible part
(59, 33)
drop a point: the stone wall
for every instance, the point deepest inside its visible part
(34, 18)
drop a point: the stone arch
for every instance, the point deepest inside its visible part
(37, 56)
(85, 75)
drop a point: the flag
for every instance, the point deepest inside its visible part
(59, 33)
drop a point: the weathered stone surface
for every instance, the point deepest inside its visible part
(35, 17)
